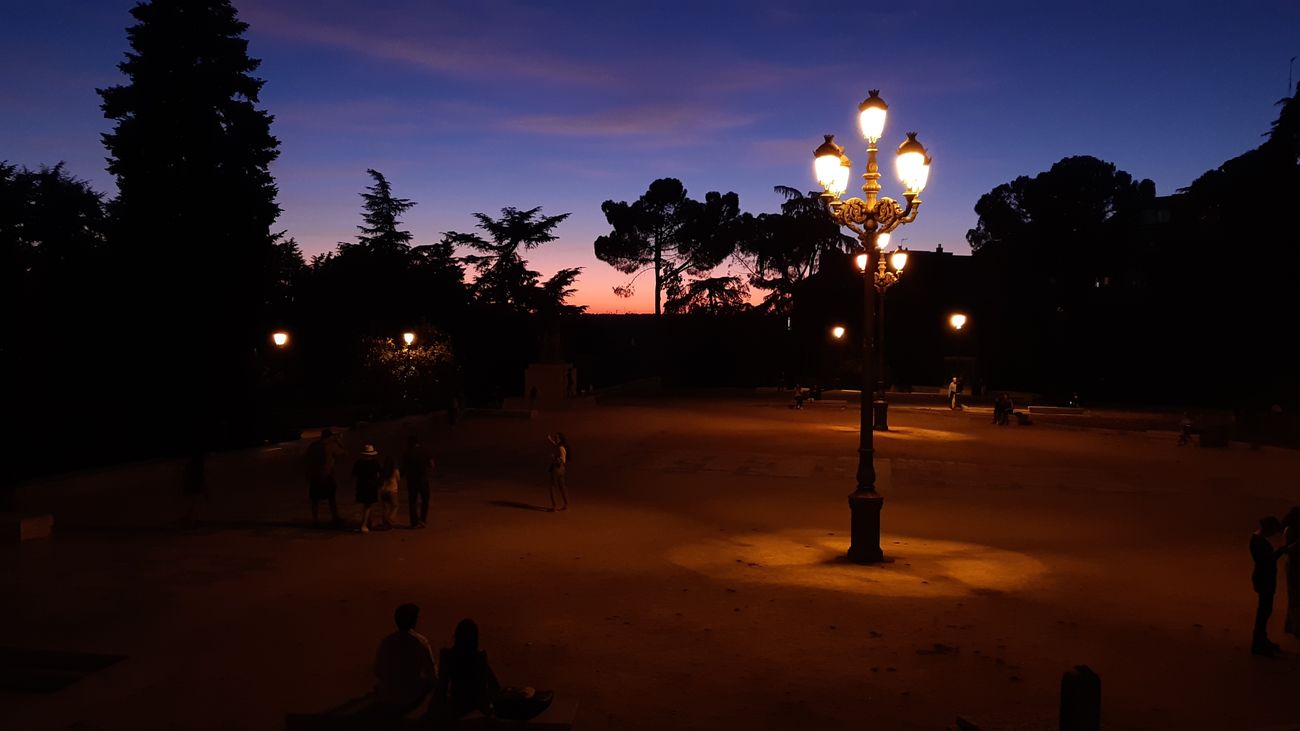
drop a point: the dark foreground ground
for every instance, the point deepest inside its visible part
(695, 584)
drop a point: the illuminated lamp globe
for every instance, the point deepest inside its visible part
(861, 261)
(837, 331)
(280, 338)
(957, 320)
(826, 162)
(882, 241)
(408, 337)
(871, 116)
(899, 260)
(913, 165)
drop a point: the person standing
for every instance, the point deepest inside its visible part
(390, 479)
(953, 390)
(1291, 537)
(1264, 581)
(404, 668)
(559, 467)
(417, 467)
(366, 474)
(320, 459)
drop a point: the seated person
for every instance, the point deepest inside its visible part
(466, 683)
(404, 666)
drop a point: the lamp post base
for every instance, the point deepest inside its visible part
(880, 415)
(864, 541)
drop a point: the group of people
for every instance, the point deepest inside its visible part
(377, 482)
(1264, 578)
(459, 682)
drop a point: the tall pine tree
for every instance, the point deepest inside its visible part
(191, 152)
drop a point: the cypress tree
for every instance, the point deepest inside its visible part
(191, 152)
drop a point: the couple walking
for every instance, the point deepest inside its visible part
(1264, 577)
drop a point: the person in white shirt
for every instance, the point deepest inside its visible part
(404, 666)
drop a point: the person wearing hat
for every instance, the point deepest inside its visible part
(366, 474)
(321, 457)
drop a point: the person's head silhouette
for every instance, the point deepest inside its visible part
(406, 616)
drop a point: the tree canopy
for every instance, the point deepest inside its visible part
(669, 234)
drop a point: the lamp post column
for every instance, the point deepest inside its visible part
(881, 404)
(865, 503)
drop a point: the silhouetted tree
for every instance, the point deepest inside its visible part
(191, 153)
(782, 249)
(669, 234)
(504, 279)
(382, 214)
(1047, 245)
(709, 295)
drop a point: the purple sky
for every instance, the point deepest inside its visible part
(478, 105)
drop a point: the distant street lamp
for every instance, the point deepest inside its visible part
(957, 320)
(869, 219)
(408, 338)
(837, 332)
(280, 338)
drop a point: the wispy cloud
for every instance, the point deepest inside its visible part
(668, 123)
(481, 57)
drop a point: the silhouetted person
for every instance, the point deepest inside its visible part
(1291, 538)
(953, 390)
(1264, 580)
(466, 683)
(571, 383)
(1185, 429)
(321, 457)
(799, 396)
(404, 666)
(390, 481)
(417, 467)
(366, 474)
(559, 467)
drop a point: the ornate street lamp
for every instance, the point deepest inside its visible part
(870, 218)
(837, 332)
(957, 320)
(280, 338)
(408, 338)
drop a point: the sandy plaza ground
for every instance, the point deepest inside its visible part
(696, 582)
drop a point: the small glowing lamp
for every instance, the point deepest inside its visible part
(280, 338)
(408, 337)
(837, 331)
(899, 260)
(957, 320)
(913, 165)
(882, 241)
(827, 163)
(871, 116)
(861, 261)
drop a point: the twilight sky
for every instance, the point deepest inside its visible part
(471, 106)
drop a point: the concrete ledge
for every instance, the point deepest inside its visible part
(1063, 410)
(18, 527)
(502, 413)
(558, 717)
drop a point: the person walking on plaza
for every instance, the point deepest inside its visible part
(417, 467)
(319, 460)
(1264, 580)
(390, 480)
(1291, 537)
(404, 668)
(366, 474)
(559, 467)
(953, 390)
